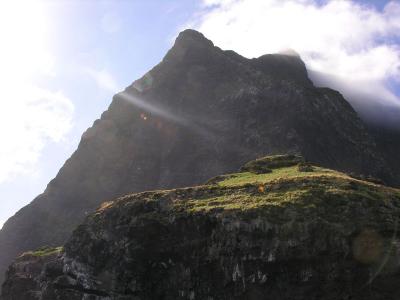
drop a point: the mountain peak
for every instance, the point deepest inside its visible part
(201, 112)
(190, 45)
(191, 37)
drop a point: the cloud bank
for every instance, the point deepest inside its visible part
(31, 116)
(346, 45)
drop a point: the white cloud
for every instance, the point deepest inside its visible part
(31, 116)
(103, 79)
(352, 42)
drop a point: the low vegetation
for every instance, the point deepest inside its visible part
(268, 163)
(290, 184)
(44, 251)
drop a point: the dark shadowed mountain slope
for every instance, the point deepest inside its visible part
(388, 142)
(200, 112)
(276, 230)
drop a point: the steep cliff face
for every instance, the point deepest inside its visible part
(388, 142)
(276, 230)
(200, 112)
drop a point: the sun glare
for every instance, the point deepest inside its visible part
(24, 46)
(31, 113)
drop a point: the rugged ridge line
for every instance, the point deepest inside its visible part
(279, 229)
(201, 112)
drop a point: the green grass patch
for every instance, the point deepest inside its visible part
(267, 163)
(276, 174)
(285, 193)
(44, 251)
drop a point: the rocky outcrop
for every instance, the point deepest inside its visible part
(286, 234)
(388, 142)
(23, 275)
(199, 113)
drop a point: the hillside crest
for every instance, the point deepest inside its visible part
(280, 227)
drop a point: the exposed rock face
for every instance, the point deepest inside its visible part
(388, 142)
(22, 282)
(304, 235)
(200, 112)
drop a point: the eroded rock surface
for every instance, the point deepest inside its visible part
(199, 113)
(286, 234)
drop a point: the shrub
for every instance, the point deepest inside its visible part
(305, 167)
(268, 163)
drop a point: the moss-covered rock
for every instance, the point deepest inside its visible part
(44, 251)
(287, 234)
(206, 112)
(305, 167)
(266, 164)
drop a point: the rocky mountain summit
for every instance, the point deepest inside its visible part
(279, 229)
(201, 112)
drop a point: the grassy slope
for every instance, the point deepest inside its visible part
(286, 173)
(44, 251)
(281, 187)
(324, 189)
(283, 195)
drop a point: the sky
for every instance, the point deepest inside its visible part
(61, 62)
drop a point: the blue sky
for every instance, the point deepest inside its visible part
(122, 38)
(76, 54)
